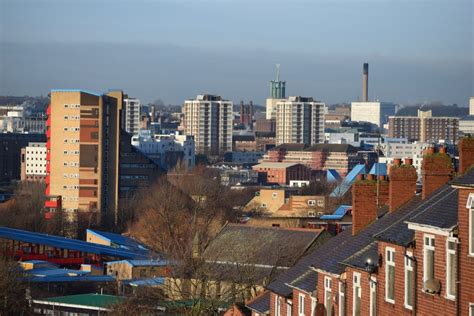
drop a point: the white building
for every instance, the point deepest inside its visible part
(33, 162)
(270, 106)
(300, 120)
(209, 119)
(404, 150)
(373, 112)
(132, 115)
(471, 106)
(342, 138)
(466, 125)
(167, 151)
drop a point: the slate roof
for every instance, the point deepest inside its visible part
(306, 282)
(359, 259)
(243, 244)
(465, 180)
(261, 304)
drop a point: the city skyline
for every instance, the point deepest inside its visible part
(159, 49)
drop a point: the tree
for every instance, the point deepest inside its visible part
(13, 292)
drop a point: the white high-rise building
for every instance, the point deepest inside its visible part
(33, 162)
(132, 115)
(471, 106)
(209, 119)
(373, 112)
(300, 120)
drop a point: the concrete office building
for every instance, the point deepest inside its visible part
(131, 116)
(374, 112)
(471, 106)
(300, 120)
(33, 162)
(209, 119)
(277, 94)
(424, 127)
(84, 153)
(413, 151)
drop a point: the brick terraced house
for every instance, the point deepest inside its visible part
(406, 254)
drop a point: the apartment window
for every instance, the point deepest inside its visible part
(320, 203)
(328, 295)
(428, 258)
(409, 281)
(390, 275)
(451, 268)
(301, 304)
(311, 202)
(274, 195)
(373, 297)
(264, 204)
(277, 306)
(357, 293)
(288, 309)
(342, 299)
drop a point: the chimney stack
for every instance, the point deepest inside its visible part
(437, 169)
(402, 184)
(365, 202)
(466, 153)
(365, 83)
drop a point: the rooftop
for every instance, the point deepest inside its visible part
(275, 165)
(83, 301)
(317, 147)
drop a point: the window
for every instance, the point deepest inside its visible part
(301, 304)
(409, 281)
(311, 202)
(471, 223)
(357, 293)
(471, 309)
(342, 299)
(428, 258)
(451, 268)
(390, 275)
(288, 309)
(373, 296)
(328, 295)
(274, 195)
(264, 204)
(277, 305)
(320, 203)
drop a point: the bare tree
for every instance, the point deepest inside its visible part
(13, 292)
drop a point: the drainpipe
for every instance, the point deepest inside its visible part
(458, 307)
(415, 278)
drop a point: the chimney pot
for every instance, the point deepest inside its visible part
(442, 150)
(370, 177)
(381, 177)
(360, 177)
(397, 161)
(408, 161)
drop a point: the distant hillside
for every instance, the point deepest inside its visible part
(31, 104)
(437, 110)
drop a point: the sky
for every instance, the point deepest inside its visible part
(418, 50)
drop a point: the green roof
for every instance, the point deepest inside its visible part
(87, 301)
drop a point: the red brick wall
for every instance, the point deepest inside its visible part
(402, 185)
(365, 291)
(428, 304)
(296, 301)
(283, 307)
(364, 202)
(466, 154)
(384, 307)
(466, 263)
(335, 292)
(437, 170)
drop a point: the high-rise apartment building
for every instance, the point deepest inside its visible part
(424, 128)
(33, 162)
(246, 114)
(131, 116)
(300, 120)
(209, 119)
(84, 152)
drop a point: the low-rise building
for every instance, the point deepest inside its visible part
(243, 157)
(281, 172)
(137, 269)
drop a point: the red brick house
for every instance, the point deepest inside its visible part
(406, 254)
(281, 172)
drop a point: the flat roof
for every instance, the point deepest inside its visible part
(83, 301)
(276, 165)
(68, 243)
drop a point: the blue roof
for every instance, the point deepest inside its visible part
(55, 272)
(120, 240)
(82, 278)
(379, 169)
(145, 282)
(67, 243)
(339, 213)
(77, 90)
(346, 184)
(333, 175)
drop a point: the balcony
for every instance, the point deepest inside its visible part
(48, 133)
(51, 204)
(48, 168)
(48, 110)
(48, 121)
(48, 179)
(46, 192)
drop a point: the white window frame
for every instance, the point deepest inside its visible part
(471, 307)
(408, 267)
(311, 202)
(389, 261)
(469, 206)
(277, 306)
(372, 296)
(301, 304)
(274, 195)
(328, 290)
(313, 305)
(451, 296)
(342, 299)
(356, 284)
(288, 308)
(425, 249)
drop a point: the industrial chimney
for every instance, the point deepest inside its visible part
(365, 83)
